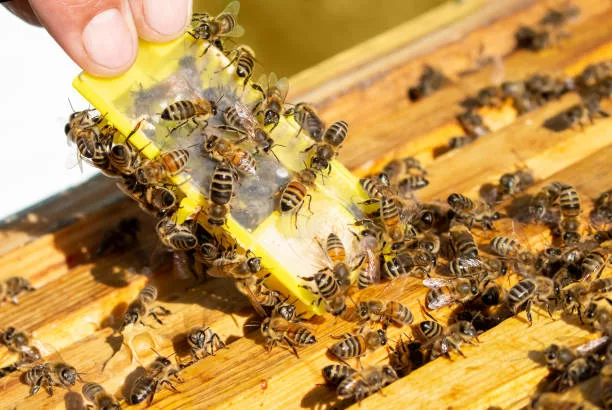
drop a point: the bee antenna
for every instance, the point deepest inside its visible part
(70, 103)
(156, 352)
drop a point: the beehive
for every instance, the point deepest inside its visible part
(47, 245)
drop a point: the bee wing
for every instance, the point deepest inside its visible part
(237, 31)
(253, 300)
(232, 9)
(372, 265)
(591, 346)
(442, 300)
(222, 270)
(283, 86)
(436, 283)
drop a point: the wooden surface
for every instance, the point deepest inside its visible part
(80, 296)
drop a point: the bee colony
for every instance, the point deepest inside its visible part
(470, 268)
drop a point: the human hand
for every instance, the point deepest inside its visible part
(101, 36)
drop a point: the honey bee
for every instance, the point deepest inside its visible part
(175, 236)
(141, 307)
(280, 331)
(335, 373)
(570, 207)
(83, 129)
(18, 342)
(221, 149)
(239, 267)
(357, 345)
(196, 111)
(472, 124)
(386, 312)
(406, 356)
(544, 88)
(554, 401)
(399, 167)
(444, 292)
(462, 241)
(326, 150)
(463, 267)
(222, 187)
(50, 374)
(522, 99)
(603, 208)
(271, 106)
(214, 29)
(451, 338)
(428, 330)
(329, 291)
(430, 81)
(203, 339)
(597, 313)
(532, 39)
(13, 287)
(544, 199)
(516, 182)
(584, 113)
(594, 74)
(540, 290)
(369, 271)
(376, 187)
(594, 262)
(410, 183)
(510, 248)
(308, 120)
(156, 375)
(472, 212)
(490, 96)
(413, 262)
(102, 399)
(336, 254)
(238, 118)
(365, 382)
(390, 216)
(460, 141)
(294, 194)
(244, 59)
(168, 164)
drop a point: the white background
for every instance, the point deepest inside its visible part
(35, 85)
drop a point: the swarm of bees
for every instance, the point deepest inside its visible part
(399, 238)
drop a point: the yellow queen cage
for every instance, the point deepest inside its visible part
(180, 70)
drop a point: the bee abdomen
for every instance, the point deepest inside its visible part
(222, 185)
(178, 111)
(174, 162)
(292, 196)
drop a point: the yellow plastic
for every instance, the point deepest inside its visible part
(286, 253)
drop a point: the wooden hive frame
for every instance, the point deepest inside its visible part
(80, 296)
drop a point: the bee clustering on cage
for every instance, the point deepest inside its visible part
(237, 131)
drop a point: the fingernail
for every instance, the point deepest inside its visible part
(108, 40)
(167, 17)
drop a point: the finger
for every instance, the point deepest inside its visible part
(99, 35)
(161, 20)
(22, 9)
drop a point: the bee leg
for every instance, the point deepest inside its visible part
(528, 311)
(289, 343)
(309, 148)
(157, 319)
(219, 342)
(309, 202)
(36, 387)
(162, 309)
(152, 393)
